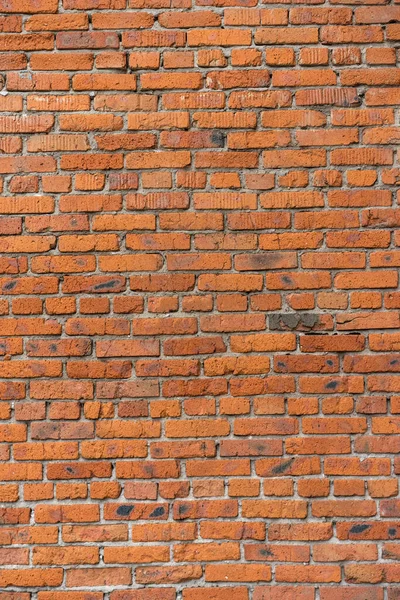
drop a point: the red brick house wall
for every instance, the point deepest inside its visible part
(199, 330)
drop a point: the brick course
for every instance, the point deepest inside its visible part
(199, 312)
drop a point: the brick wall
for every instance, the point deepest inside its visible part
(199, 332)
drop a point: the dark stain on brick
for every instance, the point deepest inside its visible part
(265, 552)
(332, 385)
(125, 510)
(218, 138)
(107, 285)
(157, 512)
(359, 528)
(283, 466)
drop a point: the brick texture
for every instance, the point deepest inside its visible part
(200, 310)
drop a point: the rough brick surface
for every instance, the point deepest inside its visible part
(199, 311)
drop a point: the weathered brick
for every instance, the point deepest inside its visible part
(199, 303)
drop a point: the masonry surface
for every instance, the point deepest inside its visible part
(199, 311)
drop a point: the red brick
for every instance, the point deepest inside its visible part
(196, 255)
